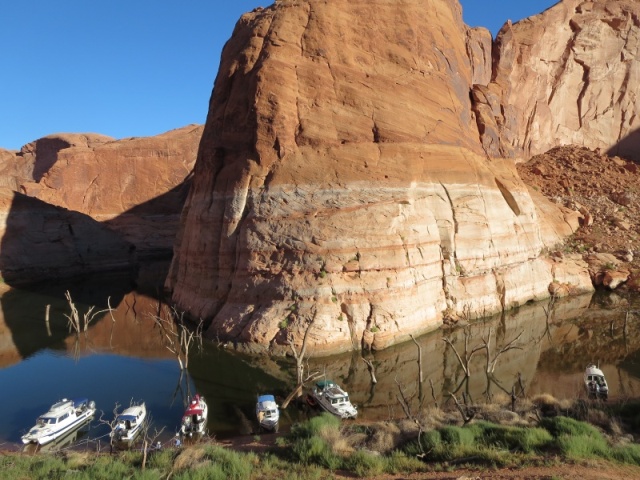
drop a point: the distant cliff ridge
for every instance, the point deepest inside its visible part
(80, 203)
(358, 176)
(566, 76)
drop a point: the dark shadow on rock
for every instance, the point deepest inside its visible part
(44, 242)
(153, 225)
(47, 250)
(47, 149)
(628, 147)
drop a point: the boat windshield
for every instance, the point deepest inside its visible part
(46, 421)
(338, 400)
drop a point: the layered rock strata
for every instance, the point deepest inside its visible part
(341, 182)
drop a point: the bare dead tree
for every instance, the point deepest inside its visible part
(110, 423)
(405, 403)
(300, 357)
(78, 324)
(148, 438)
(466, 412)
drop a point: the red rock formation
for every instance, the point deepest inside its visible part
(566, 76)
(127, 184)
(87, 202)
(341, 181)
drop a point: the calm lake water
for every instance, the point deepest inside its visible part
(122, 359)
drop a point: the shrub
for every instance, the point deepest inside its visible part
(364, 464)
(234, 465)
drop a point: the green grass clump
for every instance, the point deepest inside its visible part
(315, 426)
(364, 464)
(568, 426)
(523, 439)
(400, 462)
(575, 439)
(627, 454)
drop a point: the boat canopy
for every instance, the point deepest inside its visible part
(266, 398)
(322, 384)
(193, 411)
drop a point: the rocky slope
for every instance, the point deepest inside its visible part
(342, 181)
(605, 190)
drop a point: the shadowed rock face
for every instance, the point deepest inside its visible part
(133, 186)
(341, 180)
(80, 203)
(566, 76)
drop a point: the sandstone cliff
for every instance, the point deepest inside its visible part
(566, 76)
(341, 180)
(128, 185)
(79, 203)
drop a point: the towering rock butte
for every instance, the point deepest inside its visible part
(343, 182)
(566, 76)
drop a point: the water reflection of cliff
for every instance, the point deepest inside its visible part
(24, 331)
(540, 336)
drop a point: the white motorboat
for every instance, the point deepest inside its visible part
(194, 420)
(129, 423)
(333, 399)
(595, 383)
(267, 412)
(63, 417)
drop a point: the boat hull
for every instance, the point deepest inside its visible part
(44, 439)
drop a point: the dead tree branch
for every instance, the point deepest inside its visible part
(371, 369)
(466, 412)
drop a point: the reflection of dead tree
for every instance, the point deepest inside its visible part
(178, 336)
(548, 313)
(491, 363)
(77, 324)
(433, 393)
(300, 357)
(468, 354)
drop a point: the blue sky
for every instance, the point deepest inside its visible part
(134, 67)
